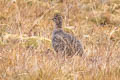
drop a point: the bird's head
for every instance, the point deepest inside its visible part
(58, 20)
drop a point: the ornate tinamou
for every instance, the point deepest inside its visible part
(62, 42)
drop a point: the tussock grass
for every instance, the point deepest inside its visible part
(25, 40)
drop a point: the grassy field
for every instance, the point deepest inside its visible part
(25, 39)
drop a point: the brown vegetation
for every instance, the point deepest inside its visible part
(25, 39)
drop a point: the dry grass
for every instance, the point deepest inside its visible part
(25, 40)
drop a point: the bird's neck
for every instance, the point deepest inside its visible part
(58, 25)
(57, 28)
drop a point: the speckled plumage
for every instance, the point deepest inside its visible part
(62, 42)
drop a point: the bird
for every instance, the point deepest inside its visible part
(63, 42)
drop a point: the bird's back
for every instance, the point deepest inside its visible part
(65, 43)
